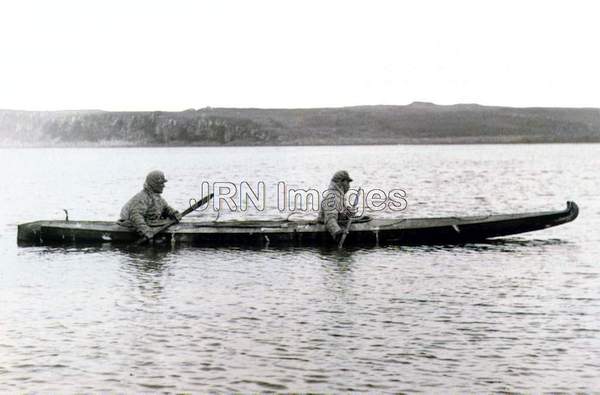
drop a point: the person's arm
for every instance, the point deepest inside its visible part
(330, 214)
(333, 228)
(169, 211)
(351, 211)
(136, 216)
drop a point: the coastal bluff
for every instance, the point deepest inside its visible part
(416, 123)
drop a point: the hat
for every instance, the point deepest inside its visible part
(341, 175)
(156, 176)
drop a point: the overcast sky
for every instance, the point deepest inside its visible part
(175, 55)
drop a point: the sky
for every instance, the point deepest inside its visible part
(175, 55)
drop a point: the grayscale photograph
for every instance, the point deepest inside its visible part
(328, 197)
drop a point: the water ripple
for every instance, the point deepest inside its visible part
(517, 314)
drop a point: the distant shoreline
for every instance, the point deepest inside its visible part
(416, 124)
(88, 146)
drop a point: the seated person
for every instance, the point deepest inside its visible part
(147, 207)
(333, 209)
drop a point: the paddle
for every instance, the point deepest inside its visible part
(347, 229)
(192, 207)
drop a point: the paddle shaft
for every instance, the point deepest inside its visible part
(347, 229)
(172, 222)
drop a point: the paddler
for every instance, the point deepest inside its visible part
(333, 208)
(147, 208)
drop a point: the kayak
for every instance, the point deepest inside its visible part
(372, 232)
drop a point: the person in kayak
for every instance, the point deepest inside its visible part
(333, 209)
(147, 207)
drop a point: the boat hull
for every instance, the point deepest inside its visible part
(416, 231)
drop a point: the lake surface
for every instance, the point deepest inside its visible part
(521, 314)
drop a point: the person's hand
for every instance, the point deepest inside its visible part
(352, 211)
(176, 216)
(338, 235)
(148, 235)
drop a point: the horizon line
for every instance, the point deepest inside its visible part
(414, 103)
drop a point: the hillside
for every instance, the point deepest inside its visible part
(416, 123)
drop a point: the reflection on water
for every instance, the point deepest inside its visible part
(342, 256)
(514, 314)
(146, 258)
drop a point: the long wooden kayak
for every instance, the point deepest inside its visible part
(375, 232)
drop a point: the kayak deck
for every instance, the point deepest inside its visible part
(409, 231)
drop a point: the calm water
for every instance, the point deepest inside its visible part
(516, 315)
